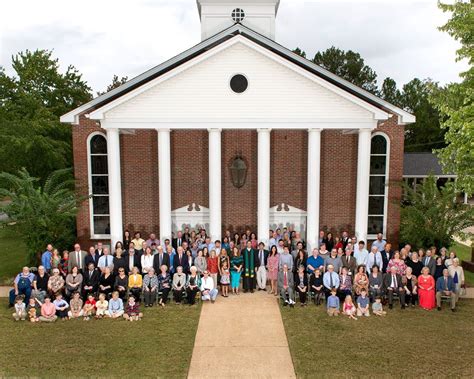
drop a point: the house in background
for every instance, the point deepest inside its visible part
(418, 166)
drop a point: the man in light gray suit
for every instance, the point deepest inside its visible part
(430, 262)
(285, 285)
(76, 258)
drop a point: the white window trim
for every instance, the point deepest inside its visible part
(89, 181)
(387, 181)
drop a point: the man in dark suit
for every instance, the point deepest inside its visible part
(161, 258)
(90, 284)
(430, 262)
(445, 287)
(350, 262)
(392, 283)
(92, 257)
(387, 254)
(100, 249)
(132, 259)
(261, 267)
(181, 259)
(178, 241)
(345, 239)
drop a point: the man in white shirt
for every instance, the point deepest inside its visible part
(361, 254)
(379, 243)
(106, 260)
(208, 292)
(374, 258)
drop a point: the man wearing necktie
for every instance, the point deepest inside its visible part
(76, 258)
(392, 283)
(285, 285)
(106, 260)
(445, 288)
(261, 267)
(330, 280)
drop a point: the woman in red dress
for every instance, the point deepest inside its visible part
(426, 290)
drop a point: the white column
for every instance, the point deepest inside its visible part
(313, 178)
(362, 191)
(164, 177)
(215, 184)
(115, 186)
(263, 175)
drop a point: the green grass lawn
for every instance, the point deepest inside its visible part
(409, 343)
(160, 345)
(13, 256)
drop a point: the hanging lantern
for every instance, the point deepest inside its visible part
(238, 172)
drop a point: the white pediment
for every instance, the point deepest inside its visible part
(198, 91)
(193, 216)
(284, 215)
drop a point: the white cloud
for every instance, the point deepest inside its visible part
(106, 37)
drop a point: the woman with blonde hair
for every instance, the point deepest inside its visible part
(457, 273)
(426, 290)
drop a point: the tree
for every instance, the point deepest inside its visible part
(432, 216)
(348, 65)
(390, 92)
(426, 133)
(456, 101)
(116, 82)
(300, 52)
(31, 102)
(40, 214)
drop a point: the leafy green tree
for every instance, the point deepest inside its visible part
(390, 92)
(116, 82)
(456, 101)
(433, 216)
(426, 133)
(300, 52)
(40, 214)
(348, 65)
(31, 102)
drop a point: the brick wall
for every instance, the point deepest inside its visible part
(289, 168)
(189, 161)
(239, 206)
(189, 168)
(140, 191)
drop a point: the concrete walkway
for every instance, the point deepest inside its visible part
(241, 337)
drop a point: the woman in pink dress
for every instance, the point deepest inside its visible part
(397, 262)
(426, 290)
(272, 265)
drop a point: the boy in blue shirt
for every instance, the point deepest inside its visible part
(363, 304)
(332, 303)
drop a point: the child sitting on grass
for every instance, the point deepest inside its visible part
(377, 307)
(101, 306)
(89, 307)
(349, 307)
(132, 310)
(115, 306)
(61, 307)
(20, 309)
(332, 303)
(32, 309)
(363, 304)
(75, 310)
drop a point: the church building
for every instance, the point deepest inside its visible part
(238, 132)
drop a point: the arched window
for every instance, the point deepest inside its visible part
(98, 186)
(378, 185)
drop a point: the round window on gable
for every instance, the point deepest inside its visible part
(238, 15)
(239, 83)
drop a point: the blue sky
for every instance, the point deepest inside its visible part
(398, 38)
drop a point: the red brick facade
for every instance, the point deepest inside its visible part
(189, 171)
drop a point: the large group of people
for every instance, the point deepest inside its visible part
(342, 272)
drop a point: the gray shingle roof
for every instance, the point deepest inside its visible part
(421, 164)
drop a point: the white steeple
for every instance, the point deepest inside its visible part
(258, 15)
